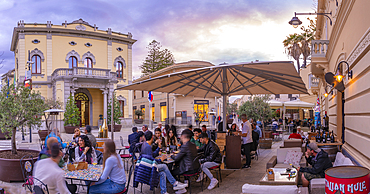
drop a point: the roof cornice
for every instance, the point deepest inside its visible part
(26, 30)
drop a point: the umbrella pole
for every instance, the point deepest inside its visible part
(111, 120)
(224, 112)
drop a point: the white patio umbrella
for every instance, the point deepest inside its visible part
(298, 104)
(272, 77)
(275, 103)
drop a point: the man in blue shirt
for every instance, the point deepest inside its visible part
(162, 168)
(133, 139)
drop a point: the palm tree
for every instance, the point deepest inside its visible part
(292, 47)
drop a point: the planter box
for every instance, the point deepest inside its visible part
(43, 134)
(70, 129)
(11, 170)
(117, 128)
(138, 121)
(2, 135)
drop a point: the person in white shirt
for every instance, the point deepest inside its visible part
(247, 139)
(48, 172)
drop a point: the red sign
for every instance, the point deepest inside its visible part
(28, 83)
(347, 179)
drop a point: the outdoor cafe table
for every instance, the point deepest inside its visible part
(279, 178)
(91, 174)
(169, 160)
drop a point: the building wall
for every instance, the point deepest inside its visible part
(348, 41)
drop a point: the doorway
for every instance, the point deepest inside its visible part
(82, 102)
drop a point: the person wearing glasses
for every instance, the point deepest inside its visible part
(319, 161)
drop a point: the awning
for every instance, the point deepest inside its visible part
(298, 104)
(275, 103)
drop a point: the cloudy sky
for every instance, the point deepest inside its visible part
(216, 31)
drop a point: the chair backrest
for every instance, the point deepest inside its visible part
(39, 187)
(288, 143)
(282, 152)
(27, 166)
(129, 177)
(121, 140)
(99, 157)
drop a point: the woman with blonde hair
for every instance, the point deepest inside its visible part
(112, 168)
(76, 135)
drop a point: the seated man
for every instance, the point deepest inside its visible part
(55, 133)
(212, 157)
(299, 131)
(186, 157)
(319, 161)
(195, 139)
(48, 172)
(133, 138)
(162, 168)
(295, 135)
(45, 153)
(137, 146)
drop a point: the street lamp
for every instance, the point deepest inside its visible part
(339, 76)
(295, 22)
(328, 91)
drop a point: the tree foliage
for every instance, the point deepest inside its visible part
(19, 106)
(72, 113)
(139, 113)
(299, 44)
(157, 58)
(256, 108)
(117, 111)
(231, 108)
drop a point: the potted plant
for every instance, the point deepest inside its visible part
(19, 106)
(71, 116)
(116, 115)
(51, 104)
(138, 113)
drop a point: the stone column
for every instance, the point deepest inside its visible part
(73, 91)
(105, 93)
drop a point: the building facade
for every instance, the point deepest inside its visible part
(75, 59)
(181, 110)
(346, 39)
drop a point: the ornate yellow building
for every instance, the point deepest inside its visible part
(345, 39)
(75, 58)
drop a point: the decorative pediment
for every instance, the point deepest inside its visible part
(121, 98)
(119, 59)
(89, 55)
(73, 53)
(37, 52)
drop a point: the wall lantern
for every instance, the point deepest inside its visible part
(295, 22)
(339, 76)
(337, 80)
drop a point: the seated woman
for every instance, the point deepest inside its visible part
(76, 136)
(112, 168)
(171, 139)
(234, 128)
(158, 139)
(84, 152)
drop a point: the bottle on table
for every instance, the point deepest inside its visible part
(105, 129)
(323, 137)
(332, 137)
(168, 149)
(100, 134)
(328, 138)
(318, 138)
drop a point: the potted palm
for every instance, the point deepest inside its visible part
(139, 120)
(116, 115)
(19, 106)
(71, 116)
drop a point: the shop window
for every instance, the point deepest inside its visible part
(134, 94)
(153, 112)
(142, 107)
(36, 66)
(201, 109)
(163, 111)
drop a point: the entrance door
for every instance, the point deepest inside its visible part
(82, 102)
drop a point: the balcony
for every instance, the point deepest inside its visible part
(319, 48)
(83, 72)
(313, 84)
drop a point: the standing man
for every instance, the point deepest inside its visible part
(163, 130)
(247, 139)
(212, 157)
(145, 128)
(90, 136)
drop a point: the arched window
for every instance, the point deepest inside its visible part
(72, 62)
(88, 62)
(119, 70)
(36, 66)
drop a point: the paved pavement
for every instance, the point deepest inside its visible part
(232, 180)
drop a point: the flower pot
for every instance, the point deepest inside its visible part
(138, 121)
(43, 134)
(117, 128)
(70, 129)
(3, 135)
(11, 170)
